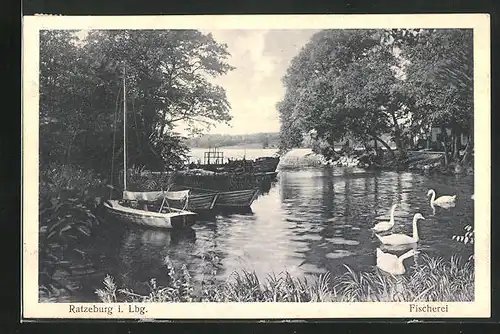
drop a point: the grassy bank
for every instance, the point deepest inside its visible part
(434, 279)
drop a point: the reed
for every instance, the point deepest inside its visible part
(66, 221)
(433, 280)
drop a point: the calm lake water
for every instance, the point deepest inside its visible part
(310, 221)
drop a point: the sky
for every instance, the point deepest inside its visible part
(261, 58)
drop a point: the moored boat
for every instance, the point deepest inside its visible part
(214, 161)
(218, 182)
(236, 199)
(168, 218)
(196, 202)
(128, 209)
(266, 164)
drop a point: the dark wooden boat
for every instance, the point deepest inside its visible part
(266, 164)
(196, 180)
(214, 161)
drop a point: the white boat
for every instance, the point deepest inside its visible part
(170, 218)
(141, 208)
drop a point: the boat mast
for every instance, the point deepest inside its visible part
(124, 134)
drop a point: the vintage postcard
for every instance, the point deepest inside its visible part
(256, 166)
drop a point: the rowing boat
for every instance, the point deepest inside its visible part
(224, 199)
(169, 218)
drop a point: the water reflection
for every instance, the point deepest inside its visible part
(143, 254)
(394, 264)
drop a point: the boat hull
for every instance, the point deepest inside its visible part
(198, 202)
(266, 165)
(171, 220)
(236, 199)
(223, 199)
(258, 166)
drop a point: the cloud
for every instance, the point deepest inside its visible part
(261, 58)
(253, 44)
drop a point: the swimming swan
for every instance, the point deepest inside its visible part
(443, 201)
(391, 263)
(402, 239)
(385, 226)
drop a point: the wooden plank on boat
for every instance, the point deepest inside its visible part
(238, 198)
(196, 202)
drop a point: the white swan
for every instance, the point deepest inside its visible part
(391, 263)
(402, 239)
(385, 226)
(443, 201)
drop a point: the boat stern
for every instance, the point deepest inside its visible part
(183, 219)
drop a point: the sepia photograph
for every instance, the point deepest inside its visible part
(330, 168)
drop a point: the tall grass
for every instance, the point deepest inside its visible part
(141, 179)
(433, 280)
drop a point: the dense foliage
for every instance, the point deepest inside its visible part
(66, 222)
(264, 140)
(363, 84)
(167, 76)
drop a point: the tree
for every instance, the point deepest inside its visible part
(264, 140)
(364, 84)
(290, 135)
(343, 84)
(307, 85)
(167, 81)
(440, 82)
(58, 117)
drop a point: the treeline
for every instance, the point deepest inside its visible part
(362, 84)
(166, 80)
(264, 140)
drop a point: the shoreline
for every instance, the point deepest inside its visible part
(423, 162)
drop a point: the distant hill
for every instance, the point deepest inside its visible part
(254, 140)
